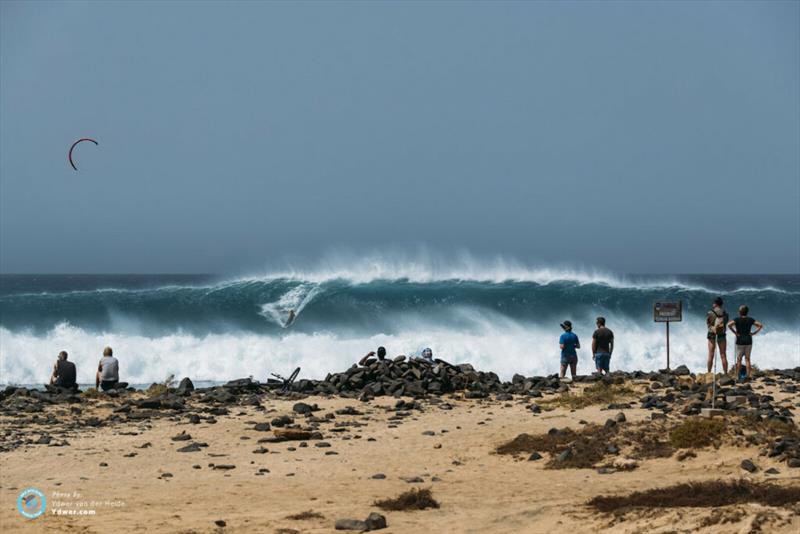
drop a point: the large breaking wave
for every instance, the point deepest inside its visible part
(502, 317)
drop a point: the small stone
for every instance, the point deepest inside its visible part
(220, 523)
(183, 436)
(565, 455)
(772, 471)
(620, 418)
(225, 467)
(793, 462)
(375, 521)
(379, 476)
(534, 456)
(606, 470)
(351, 524)
(261, 427)
(749, 466)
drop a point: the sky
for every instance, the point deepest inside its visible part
(637, 137)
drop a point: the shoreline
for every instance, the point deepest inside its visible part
(183, 459)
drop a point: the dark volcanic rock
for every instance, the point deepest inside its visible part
(749, 466)
(375, 521)
(351, 524)
(185, 387)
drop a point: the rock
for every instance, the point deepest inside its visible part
(684, 455)
(282, 421)
(302, 408)
(224, 467)
(565, 455)
(606, 470)
(772, 471)
(620, 417)
(219, 522)
(793, 462)
(413, 480)
(192, 447)
(749, 466)
(183, 436)
(375, 521)
(261, 450)
(262, 427)
(379, 476)
(351, 524)
(534, 456)
(625, 464)
(681, 370)
(185, 387)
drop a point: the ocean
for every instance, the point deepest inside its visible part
(505, 319)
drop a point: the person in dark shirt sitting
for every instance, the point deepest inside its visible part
(366, 360)
(742, 327)
(602, 346)
(63, 372)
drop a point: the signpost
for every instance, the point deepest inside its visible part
(667, 312)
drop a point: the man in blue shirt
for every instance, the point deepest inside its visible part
(569, 344)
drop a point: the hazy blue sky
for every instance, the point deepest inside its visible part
(636, 136)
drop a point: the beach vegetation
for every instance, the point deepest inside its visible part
(598, 393)
(414, 499)
(707, 494)
(697, 432)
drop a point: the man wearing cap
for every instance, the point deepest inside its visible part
(569, 344)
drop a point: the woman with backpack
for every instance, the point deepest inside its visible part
(717, 322)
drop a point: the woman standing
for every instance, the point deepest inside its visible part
(742, 328)
(716, 321)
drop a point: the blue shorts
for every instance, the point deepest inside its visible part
(601, 360)
(568, 359)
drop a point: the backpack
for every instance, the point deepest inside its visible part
(718, 326)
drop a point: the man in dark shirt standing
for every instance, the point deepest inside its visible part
(602, 346)
(742, 327)
(63, 372)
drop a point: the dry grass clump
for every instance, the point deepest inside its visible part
(586, 447)
(91, 393)
(308, 514)
(770, 427)
(597, 393)
(708, 494)
(415, 499)
(553, 441)
(696, 432)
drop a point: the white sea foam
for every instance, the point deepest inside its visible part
(504, 346)
(426, 266)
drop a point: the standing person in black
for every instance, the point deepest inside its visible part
(742, 327)
(602, 346)
(63, 372)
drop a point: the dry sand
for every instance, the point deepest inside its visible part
(479, 491)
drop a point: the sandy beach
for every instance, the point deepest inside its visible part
(239, 479)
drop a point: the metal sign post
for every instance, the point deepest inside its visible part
(667, 312)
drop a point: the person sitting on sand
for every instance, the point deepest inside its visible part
(107, 371)
(716, 321)
(742, 328)
(569, 344)
(602, 346)
(367, 360)
(64, 372)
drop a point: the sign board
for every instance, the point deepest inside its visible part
(668, 312)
